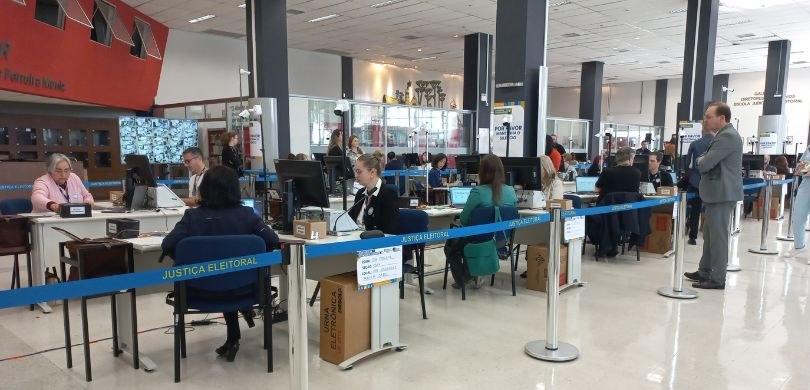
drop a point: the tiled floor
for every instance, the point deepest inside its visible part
(753, 335)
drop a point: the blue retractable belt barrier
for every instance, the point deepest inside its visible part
(415, 172)
(420, 238)
(87, 287)
(618, 207)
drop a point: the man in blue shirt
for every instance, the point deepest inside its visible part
(696, 149)
(394, 164)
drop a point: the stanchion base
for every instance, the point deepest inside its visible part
(565, 352)
(784, 238)
(733, 268)
(764, 251)
(671, 293)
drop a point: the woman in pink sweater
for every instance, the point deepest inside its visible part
(59, 185)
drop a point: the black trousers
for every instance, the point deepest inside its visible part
(694, 214)
(232, 324)
(454, 250)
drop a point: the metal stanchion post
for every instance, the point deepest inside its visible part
(789, 235)
(733, 262)
(293, 258)
(551, 349)
(677, 290)
(766, 216)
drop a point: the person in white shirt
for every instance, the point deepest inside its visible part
(193, 160)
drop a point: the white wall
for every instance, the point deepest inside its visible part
(624, 99)
(563, 102)
(372, 81)
(200, 66)
(747, 107)
(671, 112)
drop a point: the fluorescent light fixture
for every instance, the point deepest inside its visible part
(425, 58)
(201, 18)
(322, 18)
(386, 3)
(243, 5)
(559, 3)
(678, 11)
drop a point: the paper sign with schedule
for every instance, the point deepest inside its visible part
(379, 266)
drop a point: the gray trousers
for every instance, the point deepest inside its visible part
(716, 232)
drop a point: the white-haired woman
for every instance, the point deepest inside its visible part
(60, 185)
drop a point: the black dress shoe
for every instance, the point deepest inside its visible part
(694, 276)
(221, 351)
(248, 315)
(709, 285)
(692, 241)
(232, 349)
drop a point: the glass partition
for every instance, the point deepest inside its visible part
(632, 136)
(387, 127)
(572, 134)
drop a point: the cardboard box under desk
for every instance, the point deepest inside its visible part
(757, 211)
(660, 240)
(537, 258)
(345, 319)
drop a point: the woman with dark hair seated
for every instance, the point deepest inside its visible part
(221, 213)
(438, 163)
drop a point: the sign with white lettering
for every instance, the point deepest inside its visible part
(376, 267)
(691, 132)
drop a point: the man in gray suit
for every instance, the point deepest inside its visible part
(721, 189)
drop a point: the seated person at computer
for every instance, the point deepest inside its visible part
(596, 167)
(657, 176)
(60, 185)
(194, 161)
(438, 163)
(624, 177)
(490, 191)
(644, 149)
(549, 181)
(221, 213)
(375, 205)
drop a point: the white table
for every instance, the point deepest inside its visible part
(45, 240)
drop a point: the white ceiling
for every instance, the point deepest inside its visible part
(637, 39)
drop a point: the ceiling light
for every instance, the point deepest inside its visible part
(201, 18)
(386, 3)
(425, 58)
(243, 5)
(418, 49)
(559, 3)
(678, 11)
(455, 36)
(322, 18)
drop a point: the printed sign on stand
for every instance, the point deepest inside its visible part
(574, 227)
(691, 132)
(380, 266)
(768, 143)
(516, 131)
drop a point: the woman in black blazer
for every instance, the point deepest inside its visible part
(375, 206)
(221, 213)
(231, 156)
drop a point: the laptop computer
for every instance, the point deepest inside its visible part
(256, 205)
(586, 184)
(459, 195)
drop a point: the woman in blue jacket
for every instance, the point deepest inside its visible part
(221, 213)
(438, 163)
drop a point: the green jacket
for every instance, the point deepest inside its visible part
(481, 196)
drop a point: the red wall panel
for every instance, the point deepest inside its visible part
(88, 71)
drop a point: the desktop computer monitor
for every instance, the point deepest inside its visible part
(468, 163)
(138, 178)
(337, 167)
(644, 168)
(303, 186)
(410, 159)
(753, 162)
(523, 171)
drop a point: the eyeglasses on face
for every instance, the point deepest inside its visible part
(188, 161)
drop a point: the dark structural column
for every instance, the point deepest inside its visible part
(776, 77)
(698, 59)
(660, 110)
(520, 33)
(590, 101)
(720, 82)
(347, 77)
(267, 61)
(478, 82)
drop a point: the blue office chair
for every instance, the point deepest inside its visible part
(504, 239)
(221, 293)
(415, 221)
(15, 206)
